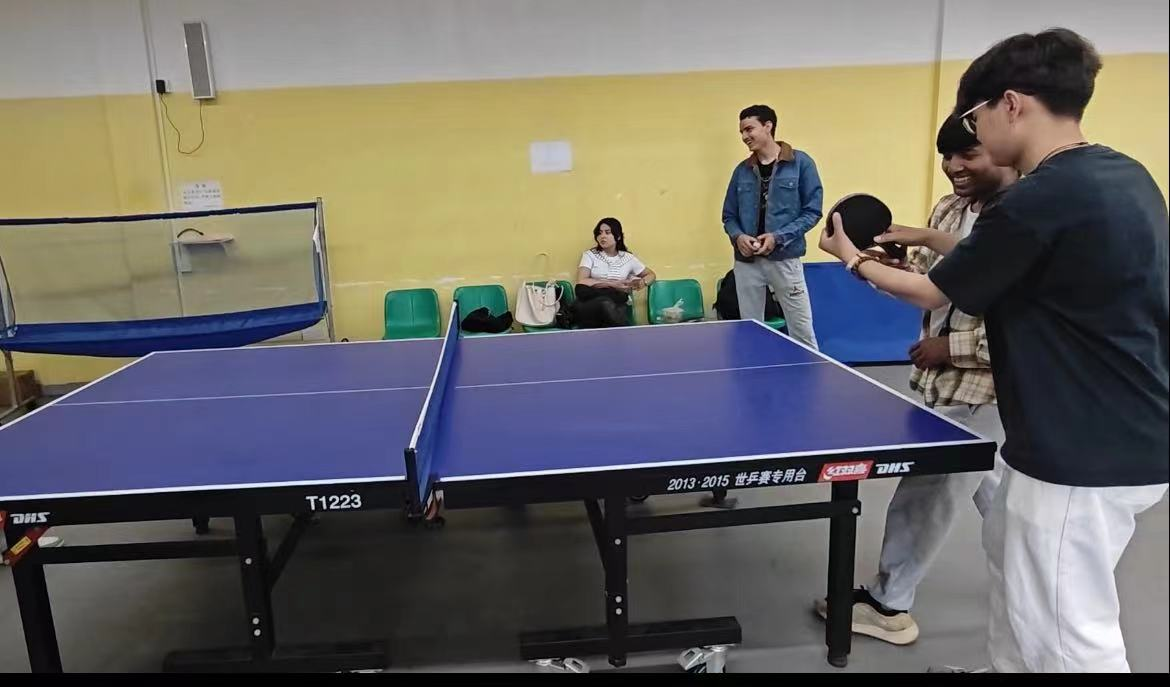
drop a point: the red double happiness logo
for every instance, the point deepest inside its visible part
(844, 472)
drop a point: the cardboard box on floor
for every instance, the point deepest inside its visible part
(27, 387)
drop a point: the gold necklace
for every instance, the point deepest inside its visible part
(1059, 150)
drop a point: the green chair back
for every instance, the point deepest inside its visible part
(490, 296)
(411, 314)
(664, 293)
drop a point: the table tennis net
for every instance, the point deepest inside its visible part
(420, 453)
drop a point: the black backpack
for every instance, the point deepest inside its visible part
(727, 302)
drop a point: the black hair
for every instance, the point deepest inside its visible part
(761, 112)
(1058, 67)
(615, 227)
(954, 138)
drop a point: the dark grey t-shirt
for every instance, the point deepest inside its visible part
(1069, 268)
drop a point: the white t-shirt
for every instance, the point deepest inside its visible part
(619, 267)
(938, 316)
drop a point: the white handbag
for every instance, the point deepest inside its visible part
(537, 303)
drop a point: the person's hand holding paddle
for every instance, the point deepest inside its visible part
(907, 236)
(835, 241)
(940, 242)
(854, 223)
(860, 217)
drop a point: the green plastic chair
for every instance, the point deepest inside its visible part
(776, 323)
(568, 295)
(490, 296)
(664, 293)
(412, 314)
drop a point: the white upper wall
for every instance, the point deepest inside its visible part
(273, 43)
(84, 47)
(1114, 26)
(71, 47)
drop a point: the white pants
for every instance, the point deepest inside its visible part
(1051, 552)
(922, 511)
(786, 277)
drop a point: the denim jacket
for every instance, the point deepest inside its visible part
(794, 202)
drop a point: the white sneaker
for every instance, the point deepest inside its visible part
(872, 619)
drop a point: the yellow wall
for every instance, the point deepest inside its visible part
(75, 157)
(429, 184)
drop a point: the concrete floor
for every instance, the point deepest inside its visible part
(454, 599)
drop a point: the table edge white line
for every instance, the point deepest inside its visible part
(870, 380)
(641, 375)
(78, 390)
(277, 347)
(711, 461)
(202, 487)
(229, 397)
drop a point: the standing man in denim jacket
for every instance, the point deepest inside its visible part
(773, 199)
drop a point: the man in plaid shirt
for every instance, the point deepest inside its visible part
(952, 372)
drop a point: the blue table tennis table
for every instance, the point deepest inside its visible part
(429, 425)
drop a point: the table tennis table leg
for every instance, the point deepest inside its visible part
(36, 613)
(253, 555)
(258, 574)
(597, 526)
(616, 579)
(202, 524)
(842, 548)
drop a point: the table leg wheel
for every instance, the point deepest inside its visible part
(705, 659)
(839, 661)
(560, 665)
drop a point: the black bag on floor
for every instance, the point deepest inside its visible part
(727, 302)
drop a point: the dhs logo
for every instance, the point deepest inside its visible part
(25, 518)
(894, 468)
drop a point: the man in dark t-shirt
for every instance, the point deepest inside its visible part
(1069, 269)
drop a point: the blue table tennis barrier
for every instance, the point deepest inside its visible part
(419, 454)
(855, 323)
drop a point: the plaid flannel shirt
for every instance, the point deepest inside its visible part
(967, 380)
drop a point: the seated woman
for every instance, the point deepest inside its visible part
(607, 275)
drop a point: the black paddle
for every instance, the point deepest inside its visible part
(863, 216)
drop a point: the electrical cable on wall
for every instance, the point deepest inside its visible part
(179, 134)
